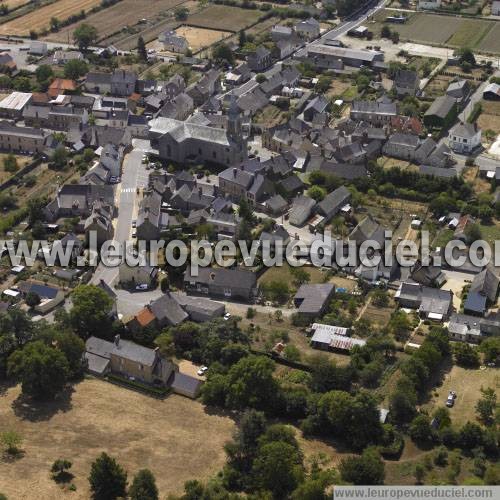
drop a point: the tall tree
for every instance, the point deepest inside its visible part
(91, 309)
(84, 35)
(143, 486)
(43, 371)
(141, 49)
(107, 479)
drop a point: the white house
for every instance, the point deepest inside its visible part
(429, 4)
(495, 8)
(464, 137)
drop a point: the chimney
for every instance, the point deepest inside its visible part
(117, 340)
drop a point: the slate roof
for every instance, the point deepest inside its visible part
(367, 229)
(314, 297)
(475, 302)
(301, 209)
(125, 349)
(486, 283)
(441, 106)
(166, 307)
(464, 130)
(223, 277)
(333, 201)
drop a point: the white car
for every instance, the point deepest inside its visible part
(142, 286)
(227, 316)
(134, 223)
(134, 234)
(202, 371)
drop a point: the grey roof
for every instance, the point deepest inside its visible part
(314, 297)
(276, 203)
(223, 277)
(125, 349)
(238, 176)
(182, 131)
(374, 107)
(7, 128)
(185, 384)
(367, 229)
(404, 140)
(406, 77)
(279, 234)
(475, 302)
(486, 283)
(342, 52)
(198, 304)
(437, 171)
(441, 106)
(435, 301)
(464, 324)
(301, 209)
(332, 202)
(466, 130)
(98, 78)
(167, 307)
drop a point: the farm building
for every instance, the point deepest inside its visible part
(441, 113)
(313, 300)
(173, 42)
(330, 337)
(13, 105)
(492, 92)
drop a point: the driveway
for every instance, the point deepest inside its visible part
(455, 282)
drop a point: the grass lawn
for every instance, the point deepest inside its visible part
(490, 232)
(223, 17)
(443, 237)
(489, 119)
(284, 273)
(467, 384)
(175, 438)
(470, 33)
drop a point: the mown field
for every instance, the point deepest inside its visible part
(175, 438)
(443, 30)
(117, 17)
(222, 17)
(13, 4)
(40, 18)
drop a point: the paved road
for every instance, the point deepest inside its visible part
(134, 176)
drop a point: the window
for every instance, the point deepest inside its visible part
(227, 292)
(214, 155)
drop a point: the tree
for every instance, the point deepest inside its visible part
(75, 69)
(311, 489)
(181, 13)
(90, 314)
(420, 429)
(385, 32)
(472, 233)
(260, 78)
(466, 355)
(300, 276)
(107, 478)
(11, 440)
(380, 298)
(55, 24)
(32, 299)
(470, 436)
(323, 85)
(465, 55)
(144, 486)
(223, 53)
(10, 163)
(43, 73)
(419, 473)
(490, 347)
(84, 35)
(43, 371)
(141, 49)
(59, 157)
(364, 470)
(486, 407)
(317, 193)
(278, 468)
(250, 384)
(402, 406)
(60, 470)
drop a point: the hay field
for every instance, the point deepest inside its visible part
(175, 438)
(224, 18)
(118, 16)
(40, 18)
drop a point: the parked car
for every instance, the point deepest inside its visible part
(134, 223)
(202, 371)
(142, 286)
(451, 399)
(227, 316)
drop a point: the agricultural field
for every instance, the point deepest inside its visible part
(222, 17)
(449, 31)
(175, 438)
(39, 18)
(14, 4)
(491, 42)
(199, 38)
(118, 17)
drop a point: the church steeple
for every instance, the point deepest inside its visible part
(234, 120)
